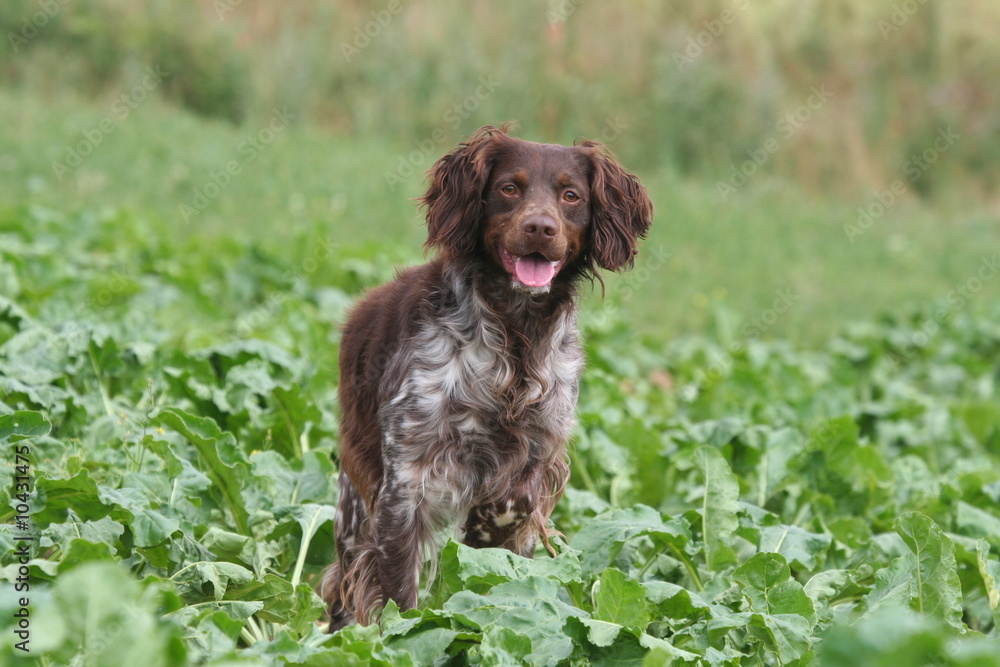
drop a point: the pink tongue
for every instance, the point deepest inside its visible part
(534, 270)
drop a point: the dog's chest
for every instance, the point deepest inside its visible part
(471, 404)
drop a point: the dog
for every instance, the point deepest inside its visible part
(459, 380)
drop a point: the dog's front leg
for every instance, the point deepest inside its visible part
(400, 534)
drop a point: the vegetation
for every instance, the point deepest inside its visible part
(733, 501)
(694, 85)
(789, 440)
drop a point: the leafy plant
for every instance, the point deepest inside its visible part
(831, 507)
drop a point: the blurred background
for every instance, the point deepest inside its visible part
(812, 162)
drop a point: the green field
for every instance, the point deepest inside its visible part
(788, 450)
(732, 502)
(707, 263)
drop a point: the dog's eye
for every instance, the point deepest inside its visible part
(571, 196)
(508, 189)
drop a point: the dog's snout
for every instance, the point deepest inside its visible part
(540, 226)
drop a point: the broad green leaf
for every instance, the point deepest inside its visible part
(899, 637)
(428, 645)
(191, 579)
(149, 527)
(801, 548)
(601, 539)
(937, 590)
(718, 506)
(529, 607)
(892, 586)
(79, 551)
(55, 497)
(311, 516)
(97, 611)
(618, 599)
(225, 464)
(977, 522)
(989, 570)
(788, 635)
(223, 543)
(309, 608)
(673, 601)
(277, 595)
(768, 585)
(105, 530)
(502, 646)
(462, 566)
(22, 425)
(599, 633)
(360, 645)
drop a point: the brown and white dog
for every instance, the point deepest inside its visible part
(458, 380)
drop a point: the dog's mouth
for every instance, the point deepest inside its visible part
(533, 270)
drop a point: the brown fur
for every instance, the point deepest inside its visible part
(458, 382)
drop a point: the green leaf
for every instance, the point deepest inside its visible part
(226, 464)
(977, 522)
(601, 539)
(989, 570)
(768, 586)
(425, 646)
(97, 610)
(55, 497)
(192, 578)
(936, 589)
(528, 607)
(463, 567)
(22, 425)
(718, 506)
(599, 633)
(803, 549)
(673, 601)
(80, 551)
(618, 599)
(277, 595)
(789, 635)
(105, 530)
(502, 646)
(892, 586)
(898, 637)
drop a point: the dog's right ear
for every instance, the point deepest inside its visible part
(454, 198)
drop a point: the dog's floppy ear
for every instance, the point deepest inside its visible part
(621, 210)
(454, 198)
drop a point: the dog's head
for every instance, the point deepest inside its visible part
(539, 212)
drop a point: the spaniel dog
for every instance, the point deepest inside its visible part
(459, 379)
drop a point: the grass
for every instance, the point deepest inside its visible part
(707, 263)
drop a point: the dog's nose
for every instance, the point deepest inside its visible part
(539, 226)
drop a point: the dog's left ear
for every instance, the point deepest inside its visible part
(621, 210)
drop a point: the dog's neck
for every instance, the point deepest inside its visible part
(529, 315)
